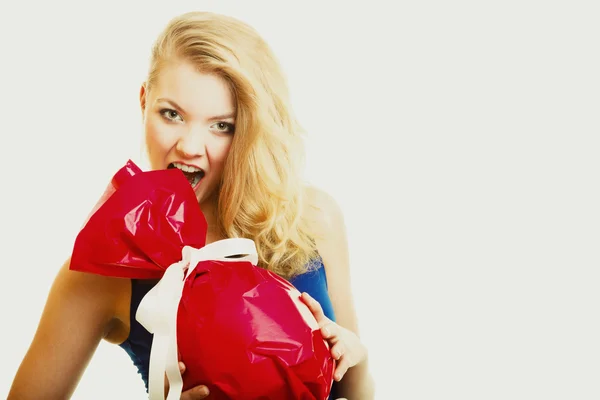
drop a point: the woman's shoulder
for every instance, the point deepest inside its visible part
(323, 212)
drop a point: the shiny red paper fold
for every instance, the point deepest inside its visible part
(242, 330)
(137, 229)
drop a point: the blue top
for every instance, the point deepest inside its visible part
(139, 342)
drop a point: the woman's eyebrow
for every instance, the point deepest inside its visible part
(228, 115)
(172, 103)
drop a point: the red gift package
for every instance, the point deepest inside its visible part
(241, 330)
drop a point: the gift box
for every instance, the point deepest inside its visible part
(241, 330)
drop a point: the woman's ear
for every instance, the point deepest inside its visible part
(143, 93)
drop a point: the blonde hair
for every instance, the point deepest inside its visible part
(261, 194)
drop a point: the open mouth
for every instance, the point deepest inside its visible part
(192, 174)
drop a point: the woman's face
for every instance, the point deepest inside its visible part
(189, 122)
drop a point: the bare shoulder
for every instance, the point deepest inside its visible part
(323, 212)
(327, 221)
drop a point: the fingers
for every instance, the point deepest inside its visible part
(181, 371)
(342, 367)
(337, 351)
(330, 331)
(196, 393)
(315, 308)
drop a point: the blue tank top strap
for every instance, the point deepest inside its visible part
(314, 282)
(139, 342)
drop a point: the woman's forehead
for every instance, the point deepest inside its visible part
(193, 91)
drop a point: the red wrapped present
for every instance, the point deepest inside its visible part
(241, 330)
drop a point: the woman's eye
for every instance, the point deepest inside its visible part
(171, 115)
(224, 127)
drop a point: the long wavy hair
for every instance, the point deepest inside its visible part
(261, 195)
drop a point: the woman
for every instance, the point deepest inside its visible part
(215, 105)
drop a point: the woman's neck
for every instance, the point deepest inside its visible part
(210, 210)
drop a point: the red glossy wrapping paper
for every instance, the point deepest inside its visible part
(241, 330)
(137, 229)
(264, 342)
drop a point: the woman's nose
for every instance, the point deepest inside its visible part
(192, 143)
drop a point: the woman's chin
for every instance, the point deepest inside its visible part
(205, 197)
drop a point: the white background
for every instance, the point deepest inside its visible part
(460, 139)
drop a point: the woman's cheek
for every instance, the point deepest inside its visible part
(158, 137)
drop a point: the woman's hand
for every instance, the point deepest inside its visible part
(345, 345)
(195, 393)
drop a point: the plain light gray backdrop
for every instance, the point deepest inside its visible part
(460, 138)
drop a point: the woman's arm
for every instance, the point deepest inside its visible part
(332, 245)
(79, 312)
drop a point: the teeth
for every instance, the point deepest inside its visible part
(186, 168)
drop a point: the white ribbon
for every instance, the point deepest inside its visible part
(157, 311)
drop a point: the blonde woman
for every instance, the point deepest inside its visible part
(215, 105)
